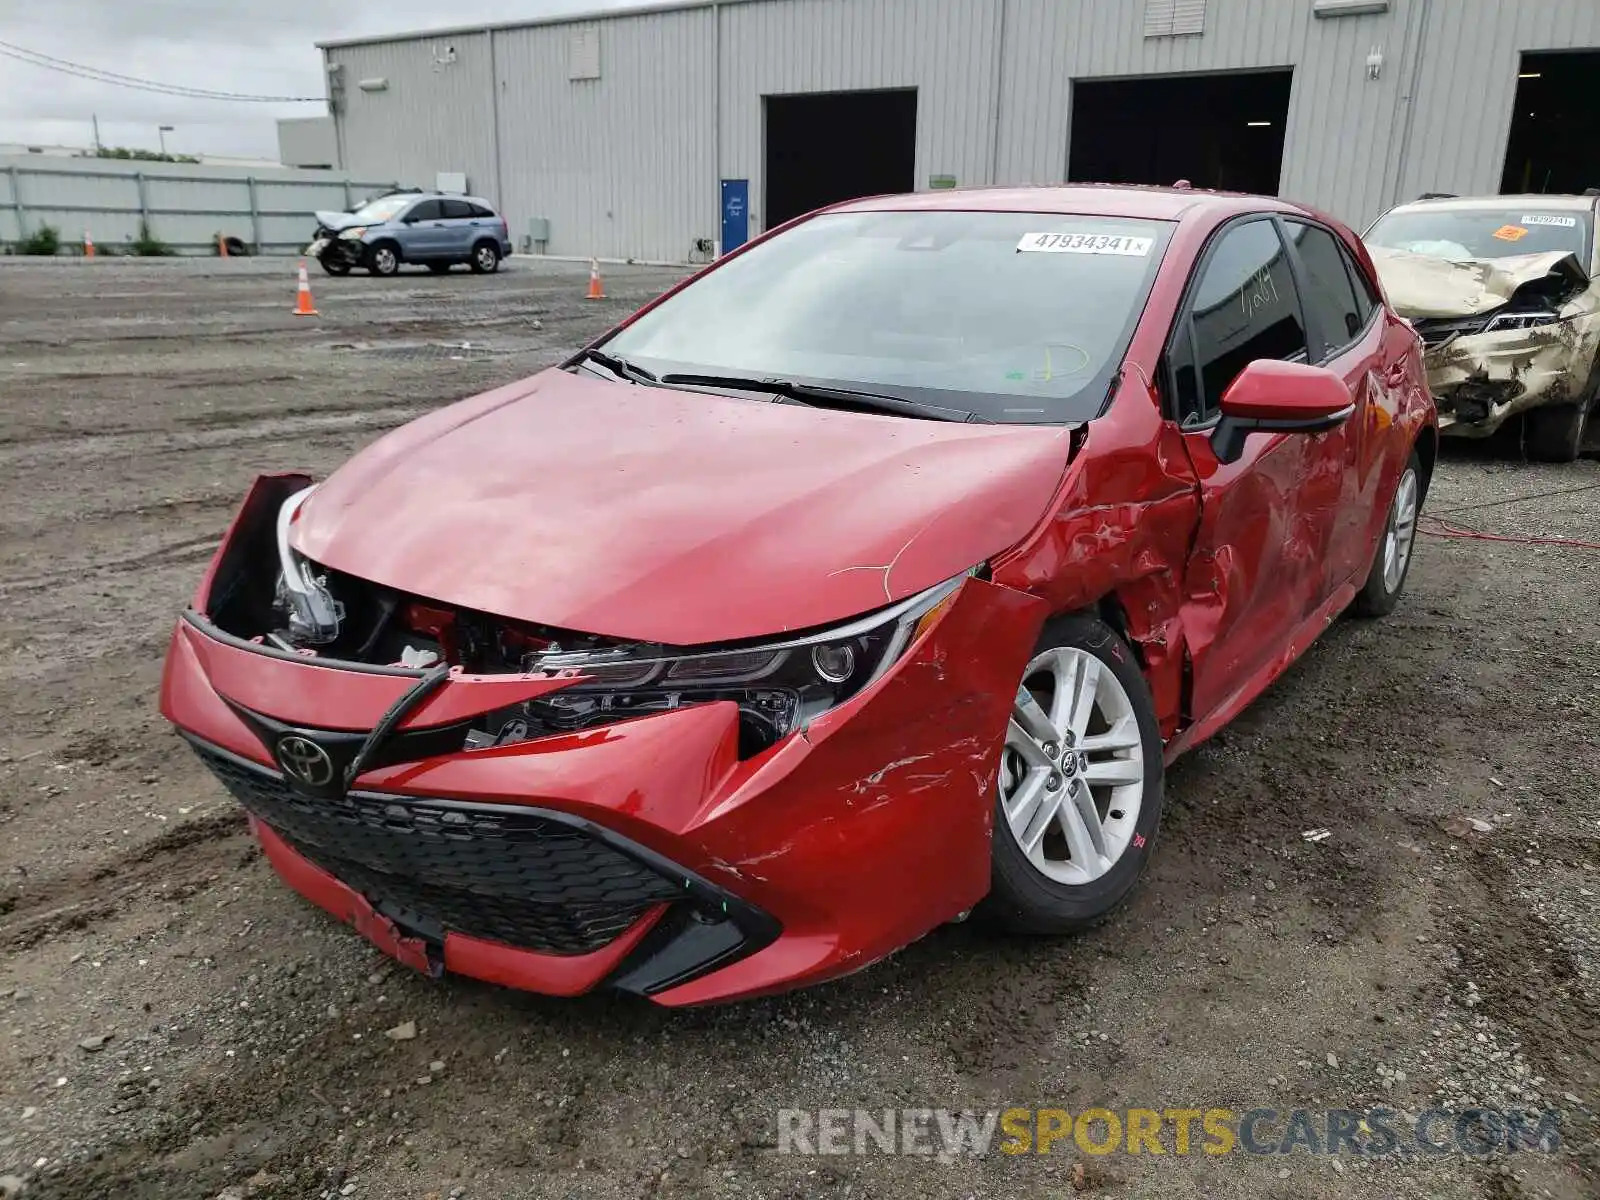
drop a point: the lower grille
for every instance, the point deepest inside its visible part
(507, 876)
(1434, 330)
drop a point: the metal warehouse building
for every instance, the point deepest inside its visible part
(657, 133)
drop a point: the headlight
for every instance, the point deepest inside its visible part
(778, 686)
(313, 615)
(354, 232)
(1520, 320)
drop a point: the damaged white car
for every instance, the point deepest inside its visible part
(1503, 291)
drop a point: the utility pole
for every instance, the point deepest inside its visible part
(95, 117)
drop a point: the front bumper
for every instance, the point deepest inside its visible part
(1481, 380)
(643, 855)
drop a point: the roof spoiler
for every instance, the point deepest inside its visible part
(1438, 196)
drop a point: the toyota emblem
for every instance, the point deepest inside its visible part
(304, 761)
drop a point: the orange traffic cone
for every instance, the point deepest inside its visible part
(597, 290)
(88, 245)
(302, 302)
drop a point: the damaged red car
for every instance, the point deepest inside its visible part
(868, 578)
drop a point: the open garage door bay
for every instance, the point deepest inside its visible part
(1222, 130)
(822, 148)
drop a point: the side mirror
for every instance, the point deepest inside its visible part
(1270, 396)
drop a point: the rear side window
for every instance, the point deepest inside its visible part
(456, 210)
(1244, 307)
(479, 210)
(1330, 298)
(1366, 294)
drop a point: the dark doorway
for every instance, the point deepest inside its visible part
(1555, 124)
(1216, 131)
(835, 146)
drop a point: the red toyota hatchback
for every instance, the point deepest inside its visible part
(869, 577)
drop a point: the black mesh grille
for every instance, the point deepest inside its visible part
(511, 877)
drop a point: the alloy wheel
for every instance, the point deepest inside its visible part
(1072, 771)
(384, 261)
(487, 258)
(1402, 531)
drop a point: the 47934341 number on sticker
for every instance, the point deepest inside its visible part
(1085, 243)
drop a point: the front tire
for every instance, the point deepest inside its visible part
(383, 259)
(1392, 562)
(1080, 784)
(334, 266)
(1555, 432)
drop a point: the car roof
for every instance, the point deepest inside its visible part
(1086, 199)
(1558, 202)
(434, 196)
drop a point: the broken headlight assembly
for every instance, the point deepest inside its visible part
(778, 686)
(1501, 322)
(302, 597)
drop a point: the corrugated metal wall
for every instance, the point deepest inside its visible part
(433, 115)
(623, 165)
(1467, 79)
(1340, 123)
(628, 164)
(943, 48)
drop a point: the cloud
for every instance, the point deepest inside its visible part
(265, 48)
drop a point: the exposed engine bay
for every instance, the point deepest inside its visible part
(1501, 336)
(267, 594)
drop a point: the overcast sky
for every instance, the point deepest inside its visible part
(264, 47)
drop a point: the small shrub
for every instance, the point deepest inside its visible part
(44, 240)
(147, 245)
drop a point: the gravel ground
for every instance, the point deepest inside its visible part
(176, 1023)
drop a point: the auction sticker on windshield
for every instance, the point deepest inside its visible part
(1561, 222)
(1084, 243)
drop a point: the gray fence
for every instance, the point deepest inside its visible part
(183, 205)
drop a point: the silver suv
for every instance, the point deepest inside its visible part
(434, 230)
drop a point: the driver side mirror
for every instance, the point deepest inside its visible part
(1271, 396)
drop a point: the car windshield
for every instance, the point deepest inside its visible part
(1462, 233)
(385, 208)
(1016, 317)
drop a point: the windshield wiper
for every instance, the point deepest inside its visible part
(822, 396)
(620, 367)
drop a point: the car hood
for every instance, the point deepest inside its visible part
(676, 517)
(1419, 285)
(334, 220)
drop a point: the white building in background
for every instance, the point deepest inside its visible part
(656, 133)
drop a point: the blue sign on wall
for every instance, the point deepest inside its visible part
(735, 213)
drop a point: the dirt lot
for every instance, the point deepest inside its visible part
(1393, 963)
